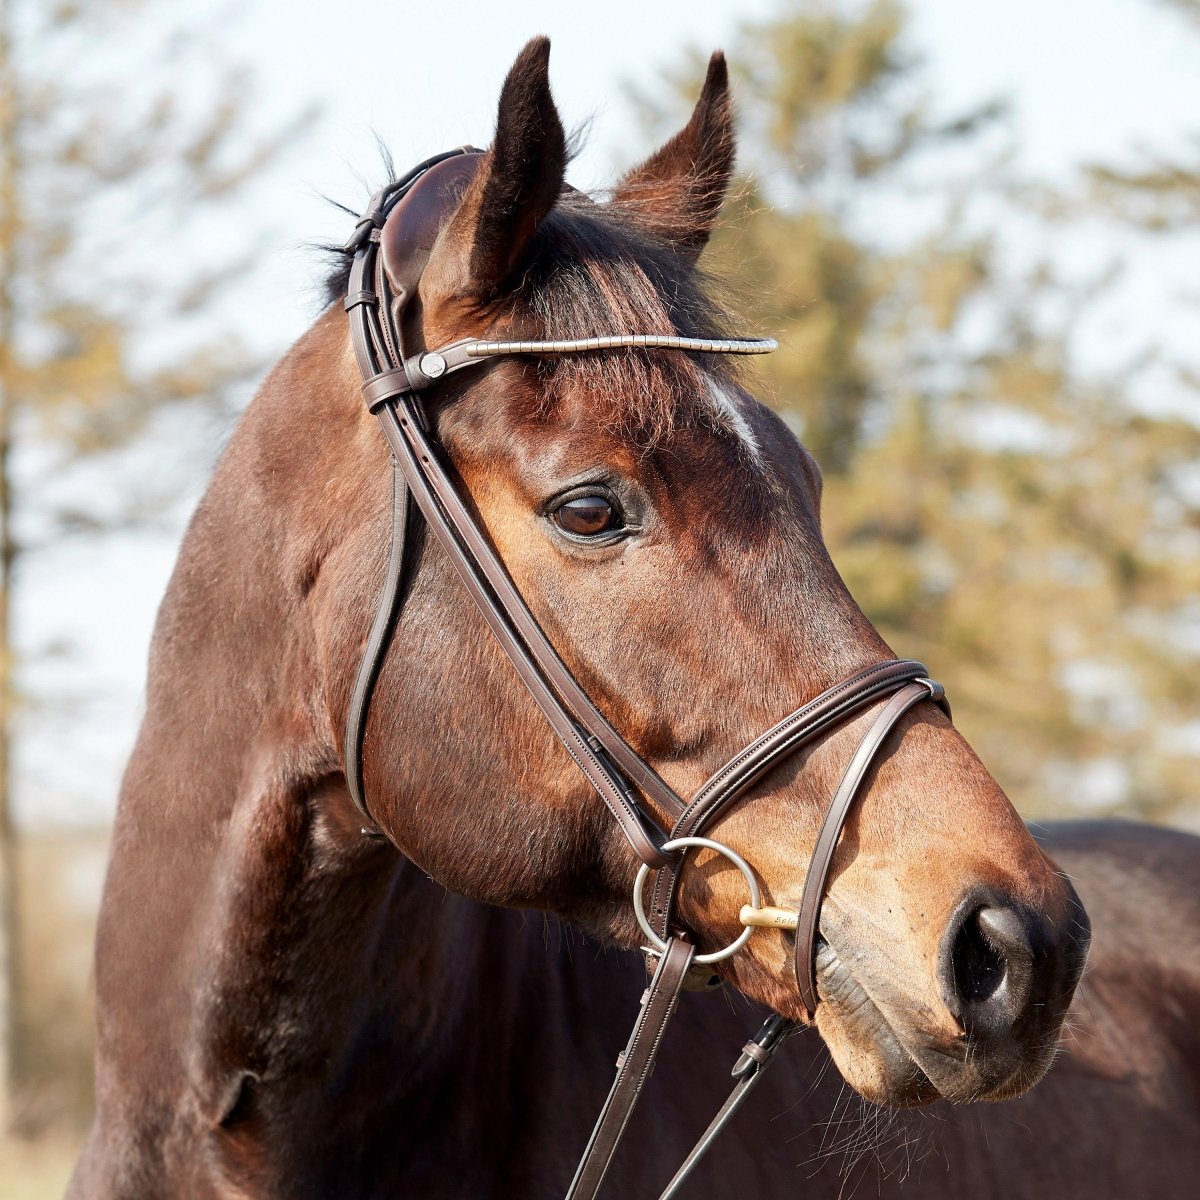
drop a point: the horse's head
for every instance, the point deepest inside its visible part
(663, 526)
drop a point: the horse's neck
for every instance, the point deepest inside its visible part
(258, 959)
(242, 909)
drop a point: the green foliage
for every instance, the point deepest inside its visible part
(1014, 520)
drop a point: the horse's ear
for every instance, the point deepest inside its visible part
(518, 181)
(678, 191)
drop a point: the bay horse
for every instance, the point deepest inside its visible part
(289, 1008)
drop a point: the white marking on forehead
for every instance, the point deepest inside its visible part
(731, 415)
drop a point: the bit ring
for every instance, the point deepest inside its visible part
(657, 945)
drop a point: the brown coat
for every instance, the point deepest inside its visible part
(287, 1009)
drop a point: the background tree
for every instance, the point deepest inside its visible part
(107, 184)
(1028, 527)
(1161, 193)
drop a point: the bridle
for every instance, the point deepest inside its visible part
(391, 245)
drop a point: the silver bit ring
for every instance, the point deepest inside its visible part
(657, 944)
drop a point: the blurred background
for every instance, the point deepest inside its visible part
(975, 230)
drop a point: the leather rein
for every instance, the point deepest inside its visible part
(391, 245)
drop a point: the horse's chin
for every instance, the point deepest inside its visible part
(891, 1064)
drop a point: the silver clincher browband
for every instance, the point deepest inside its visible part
(423, 370)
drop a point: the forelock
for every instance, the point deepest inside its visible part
(592, 272)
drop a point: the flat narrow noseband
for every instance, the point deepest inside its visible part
(405, 219)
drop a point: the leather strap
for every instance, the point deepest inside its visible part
(537, 661)
(447, 518)
(809, 722)
(757, 1054)
(633, 1068)
(822, 858)
(377, 644)
(378, 345)
(805, 725)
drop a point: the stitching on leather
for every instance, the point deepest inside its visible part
(603, 784)
(847, 791)
(637, 1083)
(598, 774)
(717, 793)
(640, 1030)
(644, 1074)
(790, 725)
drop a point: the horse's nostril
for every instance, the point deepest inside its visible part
(978, 961)
(987, 968)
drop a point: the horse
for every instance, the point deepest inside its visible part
(292, 1003)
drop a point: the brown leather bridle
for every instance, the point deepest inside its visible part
(391, 245)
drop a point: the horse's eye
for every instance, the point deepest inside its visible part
(588, 516)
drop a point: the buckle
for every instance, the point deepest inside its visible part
(371, 220)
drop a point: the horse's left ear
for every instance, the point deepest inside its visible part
(678, 191)
(482, 246)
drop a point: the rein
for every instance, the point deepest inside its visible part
(391, 244)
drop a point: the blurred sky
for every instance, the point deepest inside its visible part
(1089, 80)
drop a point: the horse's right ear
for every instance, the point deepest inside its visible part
(483, 245)
(678, 191)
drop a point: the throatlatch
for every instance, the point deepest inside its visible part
(408, 216)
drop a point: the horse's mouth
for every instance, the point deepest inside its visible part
(891, 1062)
(848, 1020)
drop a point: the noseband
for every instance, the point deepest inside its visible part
(391, 245)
